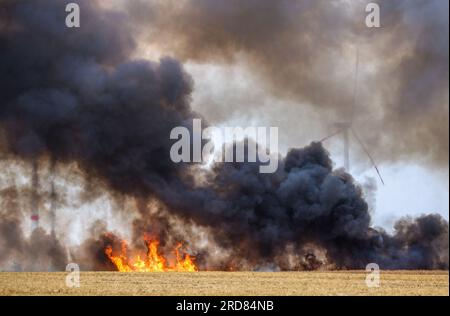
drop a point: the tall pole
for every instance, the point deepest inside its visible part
(34, 196)
(53, 197)
(355, 86)
(52, 209)
(346, 149)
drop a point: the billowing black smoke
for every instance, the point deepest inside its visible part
(75, 95)
(305, 203)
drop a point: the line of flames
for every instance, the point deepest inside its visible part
(153, 261)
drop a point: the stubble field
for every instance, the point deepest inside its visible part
(226, 283)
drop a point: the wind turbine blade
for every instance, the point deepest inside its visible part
(368, 154)
(329, 136)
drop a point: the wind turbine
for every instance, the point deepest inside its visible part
(53, 197)
(52, 213)
(34, 196)
(345, 128)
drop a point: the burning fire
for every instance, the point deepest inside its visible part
(152, 261)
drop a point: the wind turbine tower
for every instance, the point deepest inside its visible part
(34, 196)
(345, 128)
(52, 209)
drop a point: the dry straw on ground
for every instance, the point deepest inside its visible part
(226, 283)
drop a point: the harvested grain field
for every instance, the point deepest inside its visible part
(226, 283)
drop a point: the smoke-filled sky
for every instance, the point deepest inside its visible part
(97, 103)
(292, 64)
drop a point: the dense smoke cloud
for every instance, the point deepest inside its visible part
(80, 99)
(305, 52)
(76, 96)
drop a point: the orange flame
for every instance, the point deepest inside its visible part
(153, 261)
